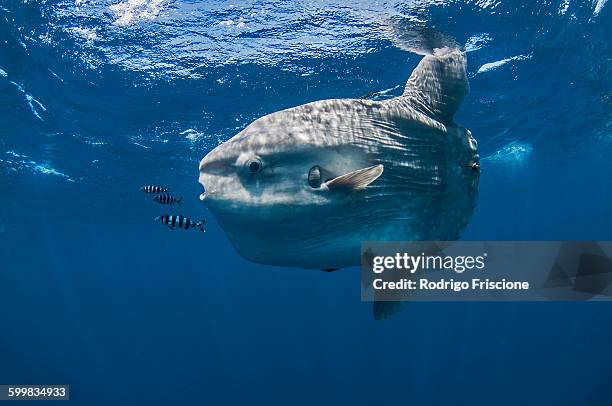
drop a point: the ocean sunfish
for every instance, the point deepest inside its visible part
(303, 187)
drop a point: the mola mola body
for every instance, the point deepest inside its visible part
(303, 187)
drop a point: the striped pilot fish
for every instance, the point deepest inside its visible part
(180, 221)
(150, 189)
(167, 199)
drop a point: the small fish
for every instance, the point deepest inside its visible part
(167, 199)
(153, 189)
(180, 221)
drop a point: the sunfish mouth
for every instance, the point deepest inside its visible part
(208, 195)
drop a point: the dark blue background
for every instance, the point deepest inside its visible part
(94, 294)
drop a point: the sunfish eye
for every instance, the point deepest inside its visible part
(314, 177)
(253, 166)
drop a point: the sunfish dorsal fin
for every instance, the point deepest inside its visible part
(355, 180)
(438, 84)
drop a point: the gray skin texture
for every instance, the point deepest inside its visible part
(427, 190)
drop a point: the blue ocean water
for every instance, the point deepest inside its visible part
(98, 98)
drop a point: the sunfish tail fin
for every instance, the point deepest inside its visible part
(439, 84)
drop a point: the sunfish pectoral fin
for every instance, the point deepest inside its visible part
(439, 84)
(355, 180)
